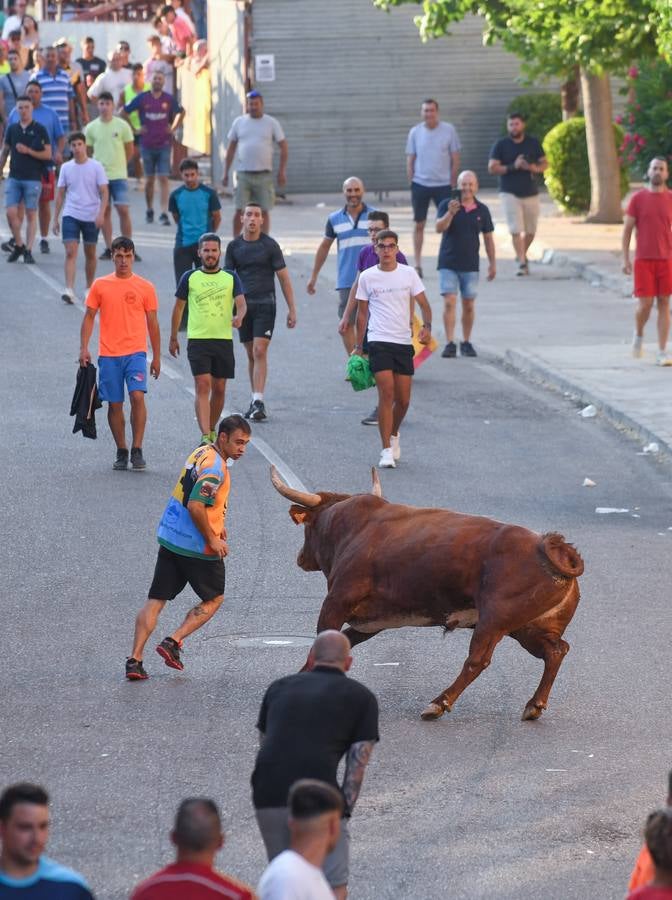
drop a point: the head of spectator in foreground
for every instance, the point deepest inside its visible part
(658, 837)
(34, 92)
(378, 221)
(106, 106)
(254, 104)
(467, 182)
(123, 254)
(24, 828)
(114, 60)
(51, 60)
(233, 436)
(330, 648)
(190, 174)
(657, 173)
(353, 191)
(252, 218)
(210, 251)
(77, 143)
(197, 833)
(515, 125)
(315, 810)
(430, 112)
(158, 83)
(88, 46)
(138, 76)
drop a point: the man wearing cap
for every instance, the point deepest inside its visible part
(252, 135)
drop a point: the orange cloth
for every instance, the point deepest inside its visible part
(123, 304)
(644, 870)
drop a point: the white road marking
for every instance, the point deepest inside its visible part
(289, 476)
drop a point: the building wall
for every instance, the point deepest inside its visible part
(226, 46)
(350, 80)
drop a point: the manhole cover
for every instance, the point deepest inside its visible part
(272, 641)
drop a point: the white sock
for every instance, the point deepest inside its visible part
(257, 397)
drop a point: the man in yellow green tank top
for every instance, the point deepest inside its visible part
(130, 92)
(216, 305)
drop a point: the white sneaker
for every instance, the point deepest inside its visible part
(68, 296)
(387, 459)
(396, 449)
(637, 346)
(662, 359)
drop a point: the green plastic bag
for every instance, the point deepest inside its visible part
(358, 373)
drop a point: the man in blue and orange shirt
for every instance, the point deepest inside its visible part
(192, 535)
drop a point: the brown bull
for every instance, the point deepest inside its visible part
(388, 566)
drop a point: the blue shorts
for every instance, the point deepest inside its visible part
(118, 191)
(17, 190)
(421, 195)
(71, 229)
(156, 162)
(114, 371)
(450, 281)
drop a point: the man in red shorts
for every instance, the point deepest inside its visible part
(650, 212)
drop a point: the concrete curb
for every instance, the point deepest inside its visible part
(536, 370)
(586, 271)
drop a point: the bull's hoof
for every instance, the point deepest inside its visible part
(433, 711)
(531, 712)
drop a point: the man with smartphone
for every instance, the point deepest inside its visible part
(517, 158)
(460, 221)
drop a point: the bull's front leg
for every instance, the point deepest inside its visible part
(481, 648)
(332, 616)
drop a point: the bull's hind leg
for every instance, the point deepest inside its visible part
(552, 649)
(481, 648)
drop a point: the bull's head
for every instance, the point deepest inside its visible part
(304, 511)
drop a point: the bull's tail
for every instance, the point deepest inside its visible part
(564, 557)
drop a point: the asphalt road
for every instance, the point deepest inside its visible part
(475, 805)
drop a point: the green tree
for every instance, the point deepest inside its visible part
(551, 37)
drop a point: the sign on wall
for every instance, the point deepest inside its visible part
(264, 67)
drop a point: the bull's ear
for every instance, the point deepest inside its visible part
(300, 515)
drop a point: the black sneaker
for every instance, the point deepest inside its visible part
(371, 419)
(523, 269)
(467, 349)
(170, 651)
(450, 350)
(250, 409)
(28, 257)
(163, 219)
(149, 216)
(137, 459)
(120, 464)
(16, 253)
(135, 670)
(8, 246)
(106, 254)
(257, 411)
(44, 246)
(137, 257)
(418, 269)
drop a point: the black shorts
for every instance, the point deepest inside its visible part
(397, 358)
(172, 573)
(421, 196)
(211, 356)
(259, 320)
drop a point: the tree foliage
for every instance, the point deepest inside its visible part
(551, 37)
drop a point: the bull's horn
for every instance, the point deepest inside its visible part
(295, 496)
(376, 490)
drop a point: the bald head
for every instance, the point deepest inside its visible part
(332, 648)
(467, 182)
(353, 189)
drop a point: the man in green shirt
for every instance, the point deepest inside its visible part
(109, 139)
(216, 305)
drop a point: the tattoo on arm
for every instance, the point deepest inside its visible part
(355, 766)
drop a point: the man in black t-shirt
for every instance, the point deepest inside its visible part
(307, 723)
(517, 159)
(27, 145)
(461, 223)
(256, 259)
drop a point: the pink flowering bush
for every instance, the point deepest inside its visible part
(648, 116)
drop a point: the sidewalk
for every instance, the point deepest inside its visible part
(569, 325)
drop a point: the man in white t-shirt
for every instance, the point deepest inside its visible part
(315, 810)
(253, 135)
(113, 80)
(387, 294)
(83, 196)
(432, 163)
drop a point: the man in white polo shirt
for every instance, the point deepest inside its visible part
(432, 163)
(386, 294)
